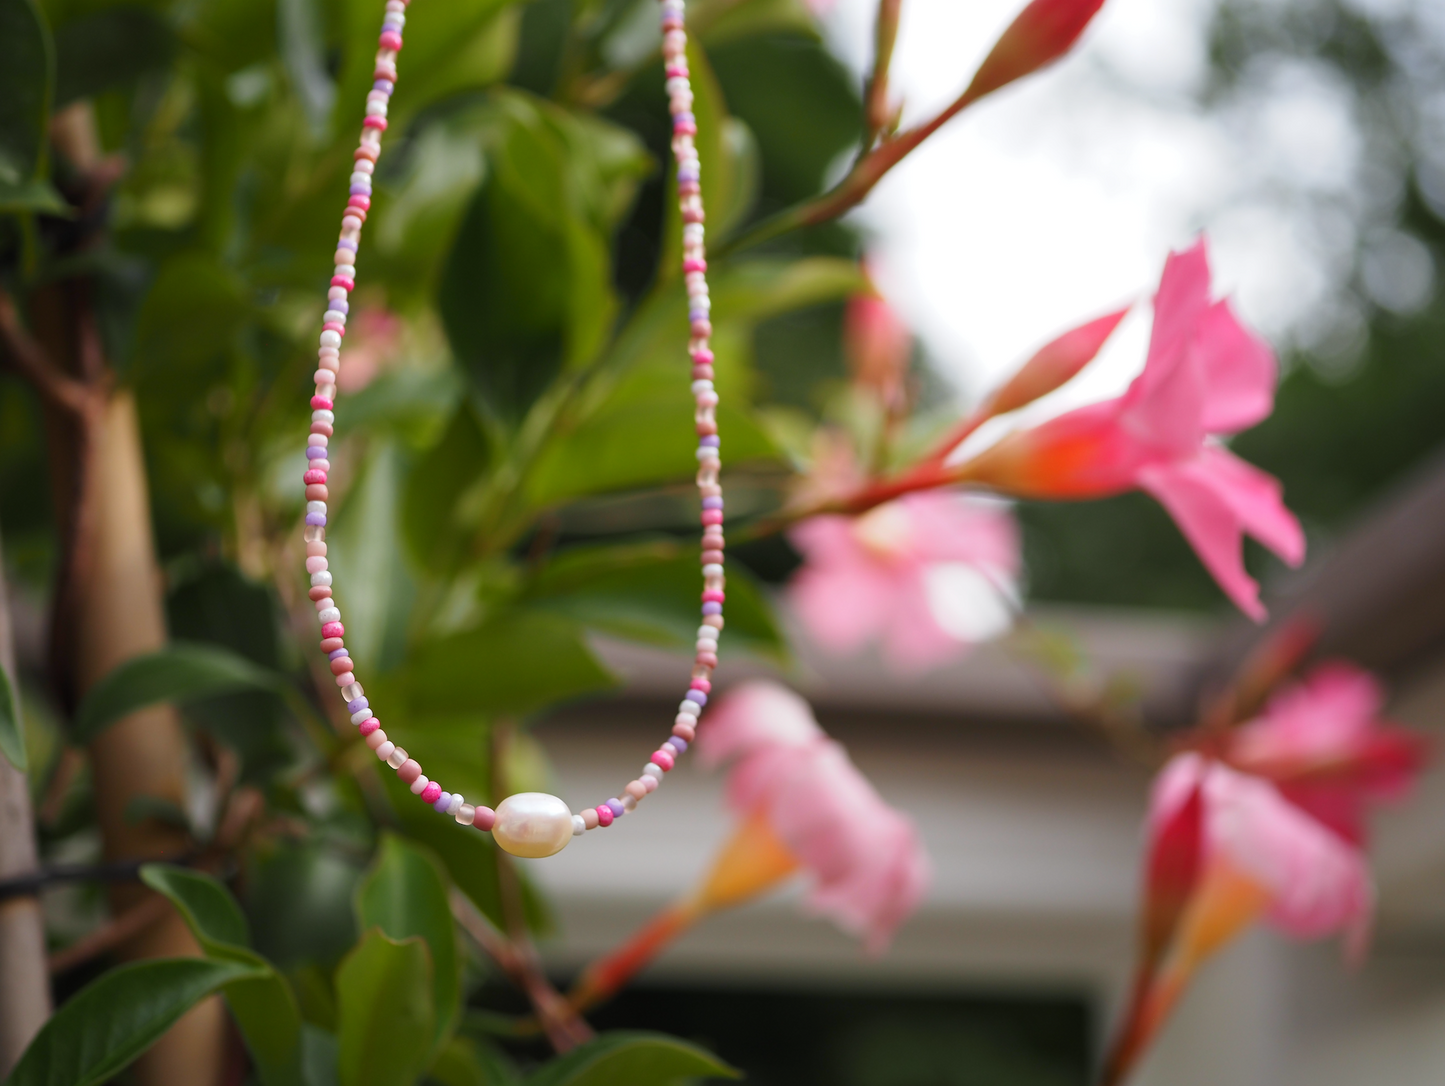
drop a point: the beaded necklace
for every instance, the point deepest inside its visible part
(528, 823)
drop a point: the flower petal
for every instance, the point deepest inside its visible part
(1239, 372)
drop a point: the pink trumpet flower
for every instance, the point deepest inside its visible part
(1273, 828)
(1205, 376)
(928, 574)
(803, 806)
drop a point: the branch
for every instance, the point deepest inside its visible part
(30, 360)
(111, 934)
(876, 116)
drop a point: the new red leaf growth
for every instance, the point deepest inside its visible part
(1043, 32)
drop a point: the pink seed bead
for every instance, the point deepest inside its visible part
(712, 557)
(321, 403)
(431, 793)
(589, 818)
(345, 678)
(650, 783)
(345, 282)
(368, 726)
(484, 819)
(331, 644)
(341, 666)
(316, 492)
(333, 629)
(390, 39)
(684, 731)
(712, 516)
(319, 592)
(604, 816)
(701, 684)
(636, 789)
(663, 759)
(410, 770)
(707, 659)
(376, 738)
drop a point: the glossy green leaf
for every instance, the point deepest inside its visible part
(527, 289)
(185, 325)
(384, 1007)
(299, 896)
(405, 894)
(515, 664)
(319, 1056)
(176, 673)
(649, 593)
(38, 195)
(438, 485)
(12, 727)
(207, 907)
(638, 1059)
(109, 48)
(720, 21)
(264, 1006)
(97, 1033)
(27, 77)
(374, 588)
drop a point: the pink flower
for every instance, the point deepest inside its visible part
(372, 342)
(1205, 376)
(1225, 848)
(1322, 743)
(927, 573)
(868, 867)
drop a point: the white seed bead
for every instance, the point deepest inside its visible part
(532, 824)
(653, 770)
(331, 614)
(707, 633)
(651, 783)
(317, 439)
(455, 805)
(396, 757)
(689, 708)
(712, 569)
(418, 786)
(385, 750)
(321, 577)
(361, 716)
(578, 826)
(316, 507)
(466, 814)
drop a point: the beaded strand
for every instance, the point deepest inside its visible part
(529, 823)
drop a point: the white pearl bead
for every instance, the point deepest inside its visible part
(532, 824)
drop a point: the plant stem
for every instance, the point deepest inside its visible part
(885, 34)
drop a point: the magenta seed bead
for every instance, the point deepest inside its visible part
(431, 793)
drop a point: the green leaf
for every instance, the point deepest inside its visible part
(27, 79)
(97, 1033)
(189, 316)
(376, 591)
(299, 896)
(37, 195)
(319, 1056)
(12, 727)
(638, 1059)
(107, 49)
(405, 894)
(384, 1006)
(649, 592)
(207, 907)
(527, 290)
(515, 664)
(438, 485)
(176, 673)
(264, 1006)
(721, 21)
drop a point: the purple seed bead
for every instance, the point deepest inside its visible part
(361, 190)
(711, 440)
(316, 520)
(440, 806)
(338, 654)
(615, 806)
(685, 117)
(315, 452)
(712, 608)
(341, 305)
(677, 743)
(346, 243)
(696, 696)
(383, 85)
(687, 173)
(712, 503)
(695, 315)
(357, 705)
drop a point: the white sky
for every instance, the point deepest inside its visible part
(1058, 199)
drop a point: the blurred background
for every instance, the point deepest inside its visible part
(1305, 137)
